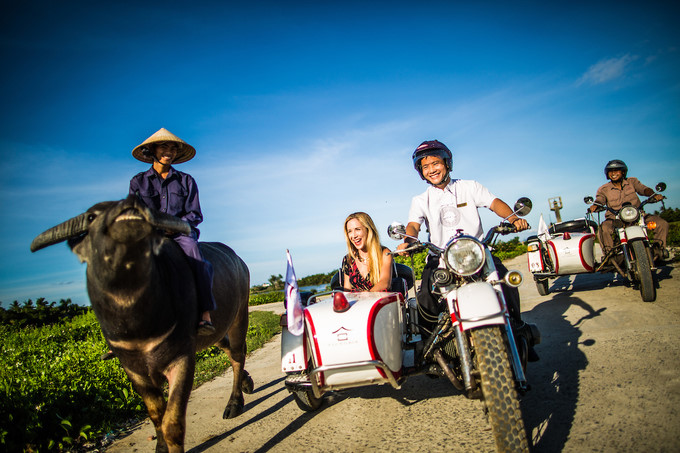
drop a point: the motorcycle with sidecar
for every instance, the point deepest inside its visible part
(569, 248)
(353, 339)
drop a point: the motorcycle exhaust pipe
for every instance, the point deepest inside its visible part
(447, 370)
(464, 354)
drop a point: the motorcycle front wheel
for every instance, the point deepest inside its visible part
(498, 388)
(644, 272)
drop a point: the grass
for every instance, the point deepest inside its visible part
(55, 387)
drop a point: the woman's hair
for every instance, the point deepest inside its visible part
(372, 244)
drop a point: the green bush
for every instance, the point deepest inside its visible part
(53, 385)
(509, 249)
(265, 298)
(41, 313)
(418, 263)
(673, 234)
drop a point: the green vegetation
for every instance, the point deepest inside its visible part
(509, 249)
(418, 263)
(672, 216)
(317, 279)
(55, 392)
(674, 234)
(264, 294)
(265, 298)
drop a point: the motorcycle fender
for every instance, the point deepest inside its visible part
(535, 261)
(475, 304)
(635, 232)
(293, 356)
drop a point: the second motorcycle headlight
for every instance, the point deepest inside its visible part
(464, 256)
(629, 214)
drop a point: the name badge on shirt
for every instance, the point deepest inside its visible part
(461, 205)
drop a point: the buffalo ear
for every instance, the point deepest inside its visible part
(81, 246)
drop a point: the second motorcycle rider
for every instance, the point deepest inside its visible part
(447, 206)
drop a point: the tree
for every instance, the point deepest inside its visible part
(276, 281)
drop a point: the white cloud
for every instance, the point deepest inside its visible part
(606, 70)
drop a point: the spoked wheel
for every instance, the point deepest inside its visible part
(498, 387)
(644, 272)
(543, 286)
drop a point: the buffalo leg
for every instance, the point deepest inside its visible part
(235, 347)
(155, 406)
(180, 377)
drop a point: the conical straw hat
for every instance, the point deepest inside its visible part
(185, 152)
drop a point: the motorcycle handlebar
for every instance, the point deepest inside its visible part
(503, 229)
(615, 212)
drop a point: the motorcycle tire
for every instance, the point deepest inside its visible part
(644, 272)
(498, 387)
(543, 286)
(306, 400)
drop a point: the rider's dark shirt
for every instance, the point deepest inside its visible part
(177, 194)
(614, 197)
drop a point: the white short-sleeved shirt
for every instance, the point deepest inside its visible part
(446, 211)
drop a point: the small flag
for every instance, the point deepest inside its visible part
(543, 233)
(294, 304)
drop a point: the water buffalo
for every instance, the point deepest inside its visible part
(142, 290)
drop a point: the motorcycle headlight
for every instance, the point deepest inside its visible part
(629, 214)
(464, 256)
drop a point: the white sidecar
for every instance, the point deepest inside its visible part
(362, 344)
(568, 248)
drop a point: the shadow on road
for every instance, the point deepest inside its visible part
(412, 391)
(257, 417)
(588, 281)
(549, 407)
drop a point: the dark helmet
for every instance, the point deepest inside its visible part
(432, 148)
(615, 164)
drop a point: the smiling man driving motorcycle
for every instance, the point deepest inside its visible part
(450, 205)
(623, 189)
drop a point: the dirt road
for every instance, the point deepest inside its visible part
(608, 381)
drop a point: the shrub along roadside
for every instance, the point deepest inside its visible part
(56, 394)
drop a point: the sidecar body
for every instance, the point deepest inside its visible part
(358, 346)
(567, 249)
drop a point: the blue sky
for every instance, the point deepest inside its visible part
(303, 112)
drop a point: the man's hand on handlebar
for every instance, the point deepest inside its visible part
(403, 246)
(520, 224)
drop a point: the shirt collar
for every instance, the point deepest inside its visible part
(623, 183)
(448, 188)
(153, 173)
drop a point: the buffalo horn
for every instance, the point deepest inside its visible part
(71, 228)
(169, 222)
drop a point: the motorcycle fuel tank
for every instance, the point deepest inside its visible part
(370, 331)
(572, 253)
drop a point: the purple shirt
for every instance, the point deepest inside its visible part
(176, 195)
